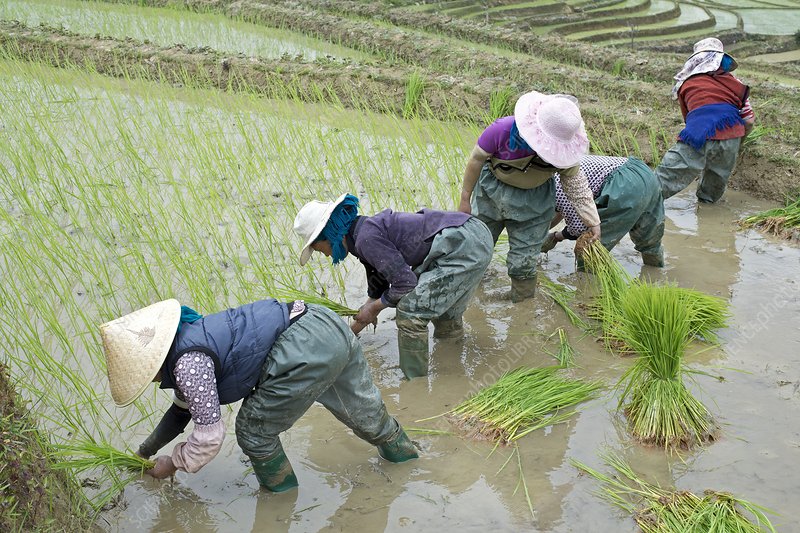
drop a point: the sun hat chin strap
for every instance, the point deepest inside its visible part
(188, 316)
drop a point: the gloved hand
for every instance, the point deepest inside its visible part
(551, 241)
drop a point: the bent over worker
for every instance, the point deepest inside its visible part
(278, 358)
(507, 181)
(718, 115)
(628, 199)
(426, 264)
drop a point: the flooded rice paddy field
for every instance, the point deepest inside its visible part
(114, 197)
(167, 27)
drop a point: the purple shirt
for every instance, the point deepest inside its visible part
(494, 140)
(390, 245)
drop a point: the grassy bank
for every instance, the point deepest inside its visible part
(34, 496)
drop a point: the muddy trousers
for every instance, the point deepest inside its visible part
(318, 358)
(524, 213)
(630, 202)
(446, 280)
(713, 164)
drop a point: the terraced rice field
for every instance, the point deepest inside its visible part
(643, 20)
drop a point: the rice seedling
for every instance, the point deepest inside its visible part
(566, 353)
(85, 455)
(659, 510)
(562, 295)
(781, 221)
(501, 103)
(755, 135)
(707, 313)
(521, 401)
(308, 297)
(612, 282)
(656, 322)
(414, 91)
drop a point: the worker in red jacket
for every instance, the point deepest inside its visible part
(716, 109)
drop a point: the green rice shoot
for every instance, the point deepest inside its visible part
(308, 297)
(85, 455)
(656, 322)
(562, 295)
(612, 282)
(566, 353)
(708, 313)
(659, 510)
(781, 221)
(521, 401)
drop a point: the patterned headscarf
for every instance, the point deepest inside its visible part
(702, 63)
(338, 225)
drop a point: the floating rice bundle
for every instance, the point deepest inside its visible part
(286, 293)
(658, 510)
(521, 401)
(782, 221)
(656, 322)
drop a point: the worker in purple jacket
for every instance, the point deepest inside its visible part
(425, 264)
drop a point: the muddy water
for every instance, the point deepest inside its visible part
(455, 485)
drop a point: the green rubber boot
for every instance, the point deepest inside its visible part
(522, 289)
(412, 342)
(275, 473)
(655, 259)
(446, 328)
(398, 449)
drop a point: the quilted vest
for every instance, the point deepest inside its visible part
(238, 340)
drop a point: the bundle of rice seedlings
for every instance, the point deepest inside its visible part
(286, 293)
(87, 455)
(658, 510)
(612, 282)
(782, 221)
(656, 322)
(707, 313)
(521, 401)
(562, 296)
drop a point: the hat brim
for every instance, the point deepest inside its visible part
(533, 101)
(305, 253)
(734, 63)
(126, 384)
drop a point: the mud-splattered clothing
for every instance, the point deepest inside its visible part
(717, 110)
(596, 169)
(629, 201)
(390, 245)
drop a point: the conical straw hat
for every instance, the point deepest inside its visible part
(136, 345)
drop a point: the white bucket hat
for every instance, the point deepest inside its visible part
(311, 220)
(136, 345)
(553, 127)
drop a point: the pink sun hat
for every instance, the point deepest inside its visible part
(553, 127)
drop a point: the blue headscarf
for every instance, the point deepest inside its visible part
(188, 315)
(338, 225)
(726, 63)
(515, 140)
